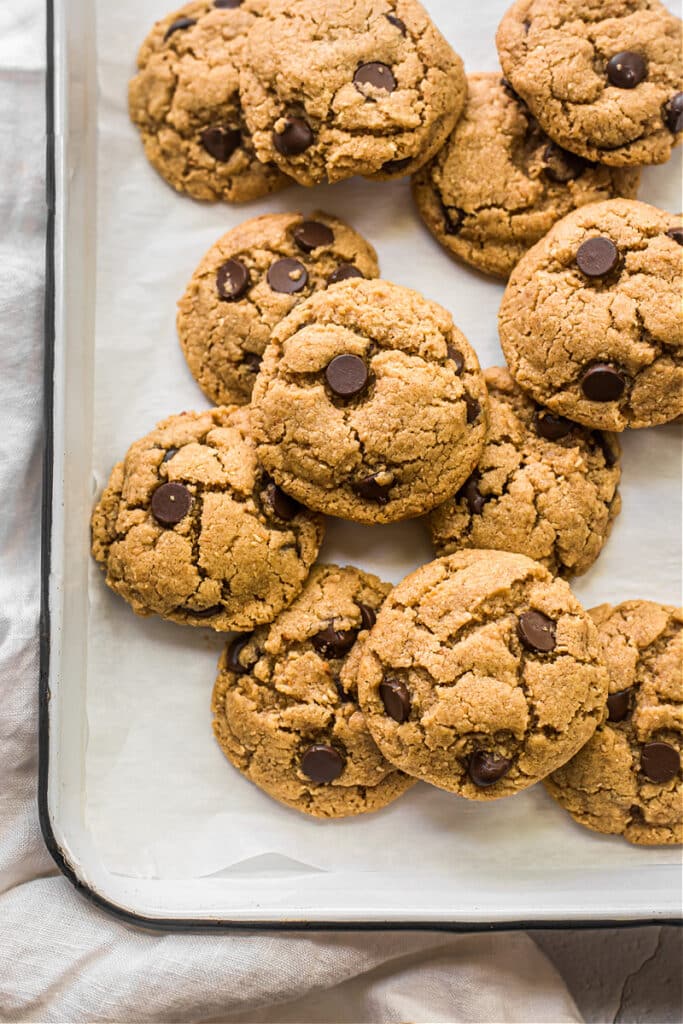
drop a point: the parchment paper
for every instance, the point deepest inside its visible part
(161, 800)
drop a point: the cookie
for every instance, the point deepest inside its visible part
(370, 404)
(482, 675)
(333, 88)
(603, 77)
(250, 280)
(499, 183)
(627, 779)
(190, 527)
(185, 102)
(544, 487)
(285, 707)
(591, 323)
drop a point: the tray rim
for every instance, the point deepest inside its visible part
(67, 866)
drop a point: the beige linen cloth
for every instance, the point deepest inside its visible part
(61, 960)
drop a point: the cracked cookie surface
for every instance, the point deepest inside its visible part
(482, 675)
(499, 183)
(544, 487)
(190, 527)
(333, 88)
(627, 779)
(603, 77)
(185, 102)
(590, 322)
(285, 705)
(249, 281)
(370, 404)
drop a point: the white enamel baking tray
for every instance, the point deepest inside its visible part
(115, 269)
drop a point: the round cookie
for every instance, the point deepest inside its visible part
(544, 487)
(190, 527)
(499, 183)
(370, 404)
(185, 102)
(603, 77)
(482, 675)
(350, 87)
(285, 706)
(250, 280)
(591, 323)
(627, 779)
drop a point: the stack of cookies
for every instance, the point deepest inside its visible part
(337, 393)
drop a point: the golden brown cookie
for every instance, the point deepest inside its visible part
(249, 281)
(285, 706)
(627, 779)
(544, 487)
(190, 527)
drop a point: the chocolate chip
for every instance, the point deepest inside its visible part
(626, 70)
(485, 768)
(660, 761)
(295, 138)
(561, 166)
(169, 454)
(551, 427)
(400, 25)
(370, 489)
(220, 142)
(368, 617)
(473, 408)
(346, 375)
(376, 74)
(603, 382)
(673, 113)
(453, 218)
(344, 696)
(232, 280)
(204, 613)
(537, 632)
(311, 234)
(472, 495)
(334, 643)
(618, 705)
(344, 272)
(227, 3)
(235, 648)
(597, 257)
(171, 503)
(287, 276)
(676, 234)
(322, 763)
(180, 23)
(282, 505)
(396, 699)
(397, 166)
(456, 356)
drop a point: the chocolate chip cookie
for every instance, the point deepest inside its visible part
(591, 323)
(333, 88)
(370, 404)
(250, 280)
(544, 486)
(603, 77)
(190, 527)
(285, 707)
(185, 102)
(482, 675)
(499, 183)
(627, 779)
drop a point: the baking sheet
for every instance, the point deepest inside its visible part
(160, 799)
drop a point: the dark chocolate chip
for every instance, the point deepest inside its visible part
(400, 25)
(619, 705)
(472, 495)
(368, 616)
(603, 382)
(287, 276)
(169, 454)
(344, 696)
(220, 142)
(171, 503)
(626, 70)
(636, 814)
(235, 648)
(232, 280)
(344, 272)
(537, 632)
(597, 257)
(473, 408)
(396, 699)
(204, 613)
(334, 643)
(456, 356)
(485, 768)
(552, 427)
(227, 3)
(346, 375)
(561, 166)
(370, 489)
(322, 763)
(673, 113)
(311, 234)
(660, 762)
(282, 505)
(180, 23)
(296, 137)
(397, 166)
(676, 234)
(376, 74)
